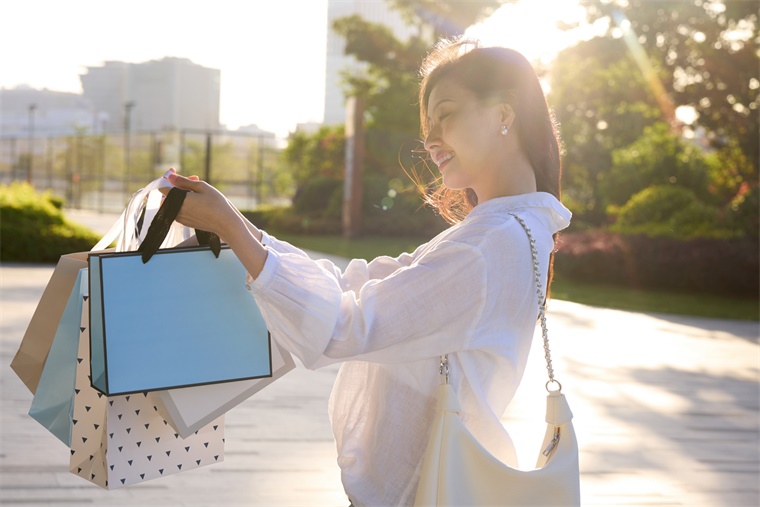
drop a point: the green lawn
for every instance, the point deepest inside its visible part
(679, 303)
(700, 305)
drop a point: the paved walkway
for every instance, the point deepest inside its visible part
(666, 410)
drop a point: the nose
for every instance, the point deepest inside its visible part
(432, 139)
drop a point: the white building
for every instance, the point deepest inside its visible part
(372, 10)
(171, 93)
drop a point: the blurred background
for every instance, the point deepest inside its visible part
(656, 102)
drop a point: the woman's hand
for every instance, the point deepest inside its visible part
(204, 208)
(207, 209)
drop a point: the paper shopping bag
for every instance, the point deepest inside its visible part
(38, 338)
(190, 408)
(182, 319)
(30, 358)
(53, 401)
(122, 440)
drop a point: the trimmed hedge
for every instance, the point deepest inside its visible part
(415, 224)
(386, 211)
(717, 266)
(34, 229)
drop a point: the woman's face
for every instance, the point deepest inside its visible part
(464, 137)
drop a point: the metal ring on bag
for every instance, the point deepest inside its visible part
(559, 388)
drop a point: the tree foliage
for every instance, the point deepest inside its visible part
(658, 157)
(708, 50)
(447, 18)
(389, 78)
(602, 103)
(615, 97)
(318, 154)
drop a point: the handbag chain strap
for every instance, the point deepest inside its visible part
(444, 367)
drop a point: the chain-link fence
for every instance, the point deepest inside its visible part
(100, 172)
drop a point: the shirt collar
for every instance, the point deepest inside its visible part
(547, 207)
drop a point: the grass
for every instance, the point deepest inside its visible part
(679, 303)
(360, 248)
(657, 301)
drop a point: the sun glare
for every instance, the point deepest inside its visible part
(533, 28)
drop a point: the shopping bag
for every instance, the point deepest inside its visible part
(29, 361)
(190, 408)
(53, 401)
(182, 319)
(122, 440)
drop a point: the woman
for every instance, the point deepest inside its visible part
(469, 292)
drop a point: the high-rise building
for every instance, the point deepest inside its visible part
(171, 93)
(337, 61)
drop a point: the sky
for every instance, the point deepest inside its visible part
(271, 53)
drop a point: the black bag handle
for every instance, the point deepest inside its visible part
(162, 222)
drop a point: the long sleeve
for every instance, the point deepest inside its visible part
(427, 308)
(356, 274)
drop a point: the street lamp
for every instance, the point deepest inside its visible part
(127, 112)
(32, 108)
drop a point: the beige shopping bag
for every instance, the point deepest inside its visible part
(32, 354)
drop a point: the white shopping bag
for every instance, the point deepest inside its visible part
(190, 408)
(121, 440)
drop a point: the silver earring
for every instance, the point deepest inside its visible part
(504, 130)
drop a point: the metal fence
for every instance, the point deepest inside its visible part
(100, 172)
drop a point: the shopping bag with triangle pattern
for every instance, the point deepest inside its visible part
(117, 441)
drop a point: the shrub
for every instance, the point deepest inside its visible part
(742, 212)
(34, 229)
(658, 157)
(668, 210)
(718, 266)
(316, 197)
(388, 210)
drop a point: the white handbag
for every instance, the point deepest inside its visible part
(458, 470)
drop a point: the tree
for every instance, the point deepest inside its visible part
(390, 82)
(661, 158)
(318, 154)
(445, 19)
(708, 52)
(602, 103)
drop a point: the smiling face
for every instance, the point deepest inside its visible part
(464, 136)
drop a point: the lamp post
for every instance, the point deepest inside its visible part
(127, 112)
(32, 108)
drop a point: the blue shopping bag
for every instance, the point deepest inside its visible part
(53, 403)
(184, 318)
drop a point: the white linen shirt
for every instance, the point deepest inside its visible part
(469, 293)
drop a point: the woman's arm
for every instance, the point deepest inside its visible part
(207, 209)
(429, 308)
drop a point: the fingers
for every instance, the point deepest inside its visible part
(192, 183)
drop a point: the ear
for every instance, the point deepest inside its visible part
(507, 114)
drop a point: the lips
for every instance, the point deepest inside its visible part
(442, 159)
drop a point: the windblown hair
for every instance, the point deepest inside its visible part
(493, 74)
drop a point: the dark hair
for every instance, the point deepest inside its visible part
(494, 73)
(502, 74)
